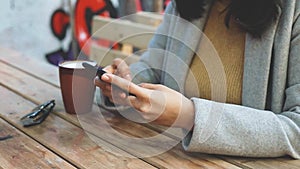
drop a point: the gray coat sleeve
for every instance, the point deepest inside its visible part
(149, 67)
(237, 130)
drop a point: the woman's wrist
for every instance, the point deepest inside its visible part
(187, 115)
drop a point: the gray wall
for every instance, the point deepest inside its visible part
(25, 26)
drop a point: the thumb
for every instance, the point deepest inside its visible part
(123, 69)
(109, 69)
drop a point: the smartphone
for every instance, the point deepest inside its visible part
(95, 69)
(99, 72)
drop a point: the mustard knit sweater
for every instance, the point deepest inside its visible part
(230, 45)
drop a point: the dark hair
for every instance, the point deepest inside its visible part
(254, 16)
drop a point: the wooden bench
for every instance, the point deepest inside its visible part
(127, 35)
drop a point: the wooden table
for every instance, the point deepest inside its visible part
(60, 141)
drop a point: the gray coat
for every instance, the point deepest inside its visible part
(267, 124)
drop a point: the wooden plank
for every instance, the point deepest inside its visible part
(20, 151)
(29, 87)
(270, 163)
(122, 31)
(63, 138)
(37, 68)
(25, 84)
(147, 18)
(104, 56)
(175, 157)
(127, 49)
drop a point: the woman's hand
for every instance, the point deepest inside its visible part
(119, 68)
(156, 103)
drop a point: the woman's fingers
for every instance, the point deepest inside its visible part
(105, 87)
(122, 83)
(109, 69)
(122, 69)
(99, 83)
(115, 94)
(149, 86)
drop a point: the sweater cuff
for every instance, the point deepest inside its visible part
(207, 118)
